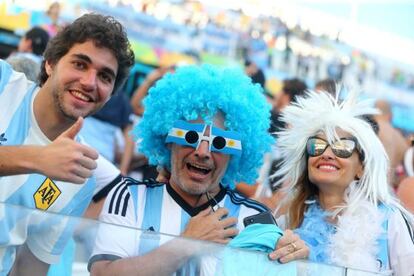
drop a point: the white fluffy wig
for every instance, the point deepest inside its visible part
(321, 112)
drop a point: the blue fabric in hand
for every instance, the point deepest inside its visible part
(258, 237)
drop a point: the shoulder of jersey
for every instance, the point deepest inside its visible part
(240, 199)
(147, 182)
(120, 195)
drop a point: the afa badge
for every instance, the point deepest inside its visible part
(47, 193)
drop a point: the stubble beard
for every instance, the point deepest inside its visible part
(195, 191)
(63, 110)
(188, 186)
(195, 188)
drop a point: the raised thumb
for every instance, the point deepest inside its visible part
(74, 129)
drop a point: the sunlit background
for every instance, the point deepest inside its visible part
(366, 45)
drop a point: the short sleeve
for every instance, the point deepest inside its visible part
(48, 235)
(105, 174)
(401, 244)
(117, 235)
(49, 232)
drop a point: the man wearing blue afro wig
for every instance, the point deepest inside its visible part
(193, 93)
(209, 127)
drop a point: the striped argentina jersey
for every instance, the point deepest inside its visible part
(45, 235)
(156, 207)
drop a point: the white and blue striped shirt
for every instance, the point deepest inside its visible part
(45, 235)
(155, 207)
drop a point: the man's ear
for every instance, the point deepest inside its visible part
(49, 68)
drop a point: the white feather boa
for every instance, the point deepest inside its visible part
(356, 241)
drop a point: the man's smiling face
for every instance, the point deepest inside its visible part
(197, 171)
(82, 80)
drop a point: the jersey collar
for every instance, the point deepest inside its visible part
(193, 211)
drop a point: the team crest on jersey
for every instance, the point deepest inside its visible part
(47, 193)
(2, 138)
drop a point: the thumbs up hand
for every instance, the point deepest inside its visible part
(73, 130)
(67, 160)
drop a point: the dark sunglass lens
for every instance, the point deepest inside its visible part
(343, 148)
(191, 137)
(315, 147)
(219, 142)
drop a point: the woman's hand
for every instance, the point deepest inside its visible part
(289, 247)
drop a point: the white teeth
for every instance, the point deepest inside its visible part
(80, 95)
(199, 167)
(328, 167)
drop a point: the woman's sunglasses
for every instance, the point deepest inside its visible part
(342, 148)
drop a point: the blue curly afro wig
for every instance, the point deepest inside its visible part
(202, 91)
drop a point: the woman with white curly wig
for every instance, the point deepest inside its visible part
(335, 169)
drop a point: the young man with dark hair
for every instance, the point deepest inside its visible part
(104, 32)
(41, 157)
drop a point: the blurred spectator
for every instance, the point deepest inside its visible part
(406, 188)
(139, 164)
(255, 73)
(397, 77)
(362, 70)
(54, 12)
(405, 193)
(34, 41)
(33, 44)
(49, 19)
(326, 85)
(29, 55)
(261, 190)
(291, 89)
(336, 70)
(52, 23)
(288, 50)
(409, 159)
(393, 141)
(257, 76)
(302, 65)
(411, 82)
(142, 90)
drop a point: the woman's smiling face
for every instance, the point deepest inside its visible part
(331, 173)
